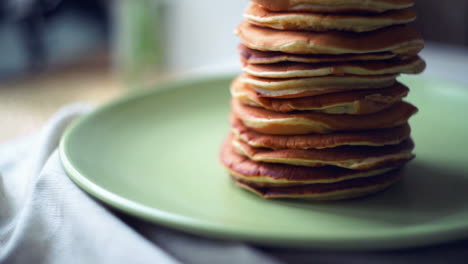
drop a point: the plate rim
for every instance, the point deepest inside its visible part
(415, 237)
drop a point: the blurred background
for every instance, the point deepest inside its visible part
(54, 52)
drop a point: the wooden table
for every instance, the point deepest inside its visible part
(25, 105)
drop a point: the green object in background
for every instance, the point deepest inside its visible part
(155, 155)
(138, 40)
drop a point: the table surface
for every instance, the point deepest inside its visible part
(27, 104)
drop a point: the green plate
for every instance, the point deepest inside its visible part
(154, 155)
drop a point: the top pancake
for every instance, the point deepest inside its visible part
(257, 15)
(334, 5)
(403, 39)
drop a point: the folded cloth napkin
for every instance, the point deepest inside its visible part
(46, 218)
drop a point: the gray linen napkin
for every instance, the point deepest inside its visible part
(46, 218)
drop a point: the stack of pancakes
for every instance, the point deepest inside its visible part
(318, 112)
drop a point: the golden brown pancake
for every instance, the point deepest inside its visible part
(379, 137)
(349, 102)
(275, 175)
(349, 157)
(403, 39)
(266, 57)
(283, 70)
(295, 20)
(353, 188)
(334, 6)
(269, 122)
(301, 87)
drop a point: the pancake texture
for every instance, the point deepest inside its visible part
(379, 137)
(403, 39)
(283, 70)
(277, 175)
(252, 56)
(356, 22)
(334, 5)
(349, 189)
(269, 122)
(348, 102)
(301, 87)
(271, 180)
(349, 157)
(317, 112)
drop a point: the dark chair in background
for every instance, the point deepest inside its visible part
(443, 21)
(35, 34)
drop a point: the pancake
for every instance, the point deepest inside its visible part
(334, 5)
(353, 188)
(283, 70)
(268, 122)
(275, 175)
(294, 20)
(301, 87)
(379, 137)
(349, 157)
(349, 102)
(266, 57)
(403, 39)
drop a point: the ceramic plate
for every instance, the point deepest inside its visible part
(154, 155)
